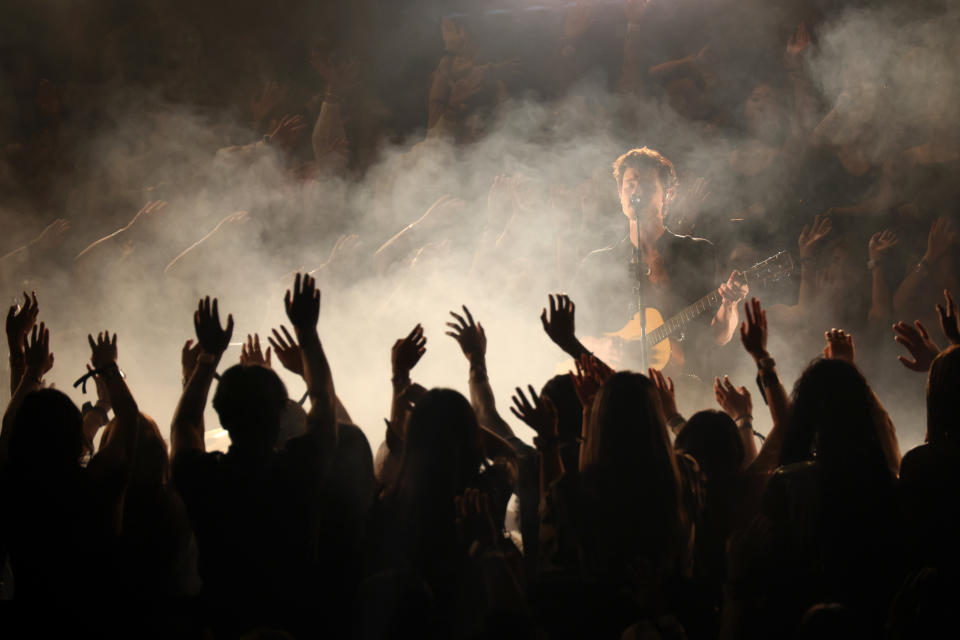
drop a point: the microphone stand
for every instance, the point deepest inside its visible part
(640, 275)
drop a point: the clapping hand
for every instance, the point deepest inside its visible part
(949, 319)
(753, 332)
(735, 401)
(39, 360)
(469, 335)
(918, 343)
(213, 338)
(250, 353)
(287, 350)
(839, 346)
(20, 319)
(666, 392)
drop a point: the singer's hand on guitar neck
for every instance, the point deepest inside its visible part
(734, 289)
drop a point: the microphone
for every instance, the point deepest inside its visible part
(636, 201)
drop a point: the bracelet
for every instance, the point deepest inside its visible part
(746, 417)
(766, 364)
(923, 266)
(675, 421)
(110, 371)
(872, 264)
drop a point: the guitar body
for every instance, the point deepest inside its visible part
(628, 337)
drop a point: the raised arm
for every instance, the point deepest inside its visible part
(753, 334)
(559, 323)
(303, 310)
(737, 404)
(541, 416)
(934, 267)
(473, 342)
(120, 450)
(881, 305)
(37, 362)
(186, 431)
(20, 321)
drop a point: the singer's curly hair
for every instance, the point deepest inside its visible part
(646, 158)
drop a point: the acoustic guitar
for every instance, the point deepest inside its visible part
(662, 347)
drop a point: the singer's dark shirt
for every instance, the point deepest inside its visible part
(604, 288)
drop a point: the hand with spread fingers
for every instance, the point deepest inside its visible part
(538, 413)
(406, 353)
(469, 335)
(303, 303)
(213, 338)
(287, 350)
(812, 235)
(559, 321)
(839, 346)
(917, 341)
(589, 376)
(103, 350)
(251, 354)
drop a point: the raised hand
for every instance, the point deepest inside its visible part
(559, 323)
(37, 354)
(538, 413)
(213, 338)
(811, 235)
(474, 522)
(287, 350)
(839, 346)
(287, 132)
(303, 303)
(20, 320)
(939, 241)
(406, 353)
(589, 377)
(188, 359)
(103, 350)
(918, 343)
(273, 93)
(949, 319)
(735, 401)
(881, 243)
(469, 335)
(753, 332)
(798, 43)
(250, 353)
(668, 397)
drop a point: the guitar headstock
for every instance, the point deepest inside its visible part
(775, 268)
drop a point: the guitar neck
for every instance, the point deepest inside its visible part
(709, 302)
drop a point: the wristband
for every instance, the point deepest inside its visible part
(675, 421)
(766, 364)
(872, 264)
(923, 266)
(746, 418)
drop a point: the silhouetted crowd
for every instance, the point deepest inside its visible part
(408, 155)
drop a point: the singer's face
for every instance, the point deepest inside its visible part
(644, 184)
